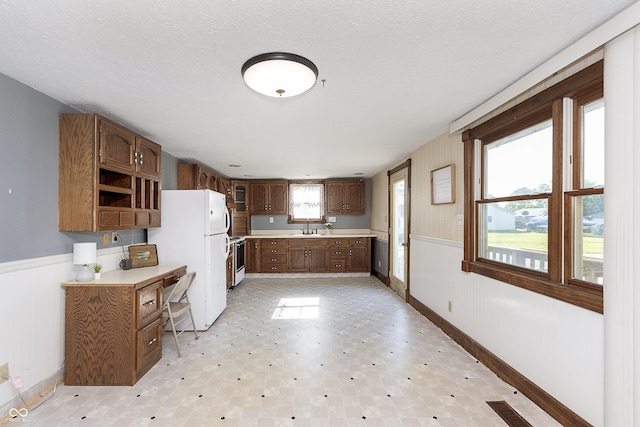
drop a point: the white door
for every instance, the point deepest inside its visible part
(399, 233)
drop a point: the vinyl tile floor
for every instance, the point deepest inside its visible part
(302, 352)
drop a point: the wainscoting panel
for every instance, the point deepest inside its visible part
(32, 313)
(554, 344)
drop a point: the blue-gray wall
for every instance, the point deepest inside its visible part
(29, 181)
(169, 172)
(380, 257)
(29, 177)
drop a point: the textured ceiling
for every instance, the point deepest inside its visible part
(397, 72)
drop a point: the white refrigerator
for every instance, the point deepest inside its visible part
(194, 232)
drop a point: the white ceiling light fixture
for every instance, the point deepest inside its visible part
(279, 74)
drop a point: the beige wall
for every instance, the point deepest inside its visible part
(437, 221)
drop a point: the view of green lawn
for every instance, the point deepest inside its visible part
(532, 240)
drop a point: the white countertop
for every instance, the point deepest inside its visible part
(127, 277)
(309, 236)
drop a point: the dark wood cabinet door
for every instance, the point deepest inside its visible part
(149, 157)
(335, 197)
(298, 259)
(278, 200)
(240, 224)
(203, 178)
(317, 259)
(355, 200)
(224, 186)
(252, 260)
(359, 259)
(258, 199)
(117, 146)
(230, 270)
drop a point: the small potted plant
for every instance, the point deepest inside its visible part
(97, 271)
(327, 227)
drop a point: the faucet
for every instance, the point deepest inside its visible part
(307, 231)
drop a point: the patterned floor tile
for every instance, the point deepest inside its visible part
(334, 352)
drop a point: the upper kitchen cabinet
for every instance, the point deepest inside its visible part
(268, 198)
(108, 176)
(345, 197)
(224, 187)
(194, 176)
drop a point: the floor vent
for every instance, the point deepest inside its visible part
(508, 414)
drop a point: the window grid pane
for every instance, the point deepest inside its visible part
(520, 163)
(588, 241)
(502, 239)
(593, 144)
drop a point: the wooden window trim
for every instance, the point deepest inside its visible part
(582, 86)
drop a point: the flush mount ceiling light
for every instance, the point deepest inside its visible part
(279, 74)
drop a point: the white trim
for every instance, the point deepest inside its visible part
(617, 25)
(452, 243)
(27, 264)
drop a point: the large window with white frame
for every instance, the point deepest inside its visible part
(534, 192)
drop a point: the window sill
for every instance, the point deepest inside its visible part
(588, 299)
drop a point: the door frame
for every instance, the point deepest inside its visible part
(406, 164)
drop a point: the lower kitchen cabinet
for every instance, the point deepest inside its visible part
(229, 269)
(252, 258)
(113, 326)
(273, 256)
(309, 255)
(359, 255)
(338, 255)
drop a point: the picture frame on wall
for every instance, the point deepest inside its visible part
(443, 185)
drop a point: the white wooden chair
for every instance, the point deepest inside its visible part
(175, 311)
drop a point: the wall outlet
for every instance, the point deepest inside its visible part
(379, 264)
(460, 220)
(114, 236)
(270, 220)
(105, 239)
(450, 307)
(4, 372)
(331, 219)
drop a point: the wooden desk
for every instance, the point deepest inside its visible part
(113, 326)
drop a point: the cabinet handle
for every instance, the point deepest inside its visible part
(269, 207)
(347, 206)
(142, 162)
(265, 207)
(152, 341)
(151, 302)
(135, 157)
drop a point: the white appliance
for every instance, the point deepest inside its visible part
(194, 232)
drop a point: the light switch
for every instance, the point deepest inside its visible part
(331, 219)
(460, 219)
